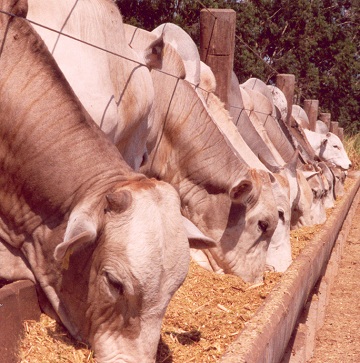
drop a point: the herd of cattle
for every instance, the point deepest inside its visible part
(119, 163)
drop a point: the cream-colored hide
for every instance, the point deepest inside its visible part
(188, 149)
(111, 80)
(105, 244)
(184, 46)
(328, 147)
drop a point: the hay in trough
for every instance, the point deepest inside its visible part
(203, 318)
(48, 341)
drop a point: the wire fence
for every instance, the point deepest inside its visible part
(196, 86)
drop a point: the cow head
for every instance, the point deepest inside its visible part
(243, 236)
(301, 197)
(329, 148)
(332, 150)
(329, 183)
(285, 188)
(301, 214)
(278, 257)
(122, 258)
(316, 183)
(339, 180)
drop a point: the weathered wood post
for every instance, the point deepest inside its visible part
(326, 118)
(286, 83)
(217, 44)
(311, 107)
(334, 127)
(341, 133)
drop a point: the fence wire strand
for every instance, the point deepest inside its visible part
(61, 33)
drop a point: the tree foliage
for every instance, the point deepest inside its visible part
(316, 40)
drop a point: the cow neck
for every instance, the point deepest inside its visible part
(278, 139)
(306, 150)
(253, 139)
(289, 143)
(51, 149)
(195, 147)
(184, 142)
(80, 20)
(227, 127)
(113, 77)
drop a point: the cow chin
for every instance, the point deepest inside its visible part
(248, 265)
(342, 164)
(252, 268)
(278, 257)
(110, 347)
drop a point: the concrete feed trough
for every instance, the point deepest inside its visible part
(266, 336)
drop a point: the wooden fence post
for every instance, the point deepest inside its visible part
(217, 44)
(326, 118)
(286, 83)
(311, 107)
(341, 133)
(334, 127)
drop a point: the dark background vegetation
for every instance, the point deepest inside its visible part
(317, 41)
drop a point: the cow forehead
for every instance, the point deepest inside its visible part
(271, 194)
(153, 202)
(152, 223)
(334, 140)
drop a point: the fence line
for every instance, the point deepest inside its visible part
(127, 58)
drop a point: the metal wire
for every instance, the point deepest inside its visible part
(120, 55)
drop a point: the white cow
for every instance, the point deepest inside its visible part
(321, 127)
(105, 244)
(294, 137)
(328, 147)
(253, 113)
(110, 79)
(279, 252)
(186, 48)
(278, 255)
(188, 150)
(300, 116)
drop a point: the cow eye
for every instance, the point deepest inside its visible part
(263, 225)
(115, 283)
(336, 147)
(281, 215)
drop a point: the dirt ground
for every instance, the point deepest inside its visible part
(338, 340)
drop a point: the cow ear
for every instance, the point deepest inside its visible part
(80, 232)
(196, 238)
(241, 191)
(19, 8)
(324, 141)
(153, 54)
